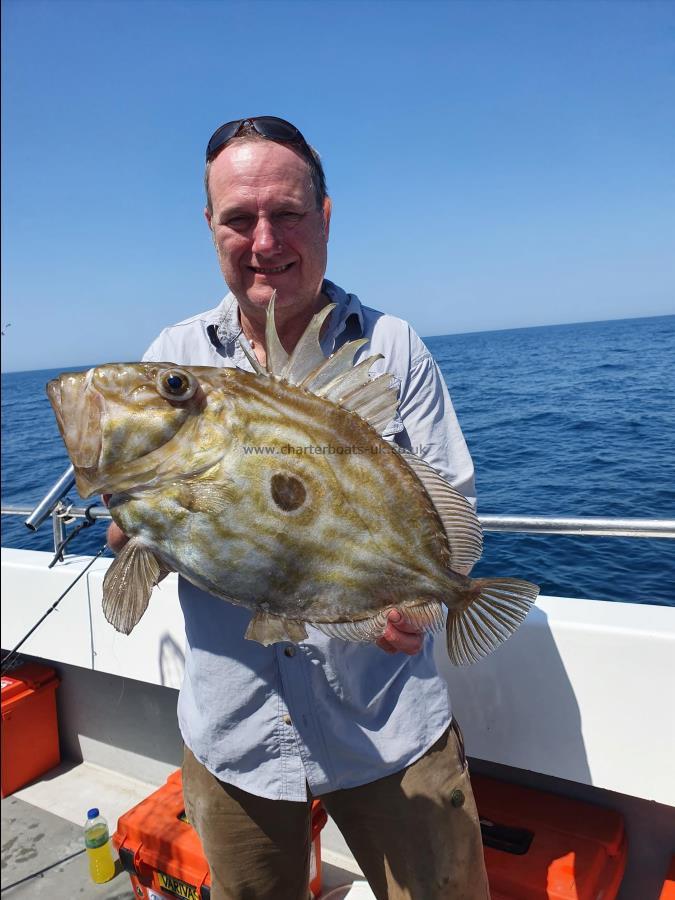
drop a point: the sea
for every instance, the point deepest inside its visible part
(561, 420)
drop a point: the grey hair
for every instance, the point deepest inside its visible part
(317, 176)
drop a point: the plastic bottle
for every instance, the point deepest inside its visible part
(99, 850)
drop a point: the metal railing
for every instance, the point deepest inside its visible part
(63, 514)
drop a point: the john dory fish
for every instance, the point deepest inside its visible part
(334, 539)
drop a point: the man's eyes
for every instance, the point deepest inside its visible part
(239, 222)
(289, 217)
(242, 222)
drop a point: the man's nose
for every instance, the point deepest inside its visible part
(265, 238)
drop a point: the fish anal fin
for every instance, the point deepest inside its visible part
(268, 628)
(128, 584)
(492, 611)
(460, 522)
(426, 616)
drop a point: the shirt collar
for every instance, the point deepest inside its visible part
(347, 316)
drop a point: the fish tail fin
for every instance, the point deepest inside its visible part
(489, 612)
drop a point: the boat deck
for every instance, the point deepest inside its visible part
(42, 850)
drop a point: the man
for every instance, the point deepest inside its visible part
(268, 728)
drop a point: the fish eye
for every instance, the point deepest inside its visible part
(176, 384)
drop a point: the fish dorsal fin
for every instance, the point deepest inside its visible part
(334, 378)
(277, 358)
(308, 354)
(460, 522)
(251, 357)
(128, 584)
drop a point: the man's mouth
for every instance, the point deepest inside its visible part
(270, 270)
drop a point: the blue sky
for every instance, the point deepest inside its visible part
(492, 164)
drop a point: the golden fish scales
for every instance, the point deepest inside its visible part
(276, 491)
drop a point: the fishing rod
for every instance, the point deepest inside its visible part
(45, 508)
(11, 656)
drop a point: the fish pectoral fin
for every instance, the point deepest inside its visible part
(128, 584)
(493, 609)
(209, 497)
(267, 628)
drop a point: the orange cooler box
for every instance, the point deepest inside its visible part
(539, 846)
(163, 854)
(30, 734)
(668, 889)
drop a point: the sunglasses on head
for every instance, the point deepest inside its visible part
(270, 127)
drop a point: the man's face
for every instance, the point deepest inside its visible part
(268, 232)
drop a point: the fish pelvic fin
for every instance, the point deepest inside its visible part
(128, 584)
(334, 378)
(492, 610)
(268, 628)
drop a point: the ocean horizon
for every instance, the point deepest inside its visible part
(425, 338)
(573, 419)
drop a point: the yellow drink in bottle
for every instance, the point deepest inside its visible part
(99, 852)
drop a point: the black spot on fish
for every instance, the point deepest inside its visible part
(288, 492)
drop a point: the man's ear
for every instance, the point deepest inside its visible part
(208, 216)
(327, 209)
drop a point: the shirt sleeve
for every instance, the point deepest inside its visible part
(430, 426)
(155, 352)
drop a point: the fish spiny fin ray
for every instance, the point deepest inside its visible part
(426, 616)
(338, 380)
(334, 378)
(332, 367)
(277, 358)
(308, 354)
(251, 357)
(497, 608)
(460, 522)
(128, 584)
(266, 628)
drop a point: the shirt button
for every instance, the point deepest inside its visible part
(290, 651)
(287, 719)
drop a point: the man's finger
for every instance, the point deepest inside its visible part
(400, 623)
(403, 641)
(384, 644)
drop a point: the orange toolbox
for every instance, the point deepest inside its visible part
(163, 854)
(30, 734)
(540, 846)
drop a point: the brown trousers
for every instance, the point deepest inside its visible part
(415, 834)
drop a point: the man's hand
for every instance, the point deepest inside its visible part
(116, 538)
(400, 636)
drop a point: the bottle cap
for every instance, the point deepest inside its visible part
(92, 813)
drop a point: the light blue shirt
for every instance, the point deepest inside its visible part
(326, 713)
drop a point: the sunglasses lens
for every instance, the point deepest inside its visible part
(276, 129)
(221, 136)
(268, 126)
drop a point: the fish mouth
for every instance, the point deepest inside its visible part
(78, 407)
